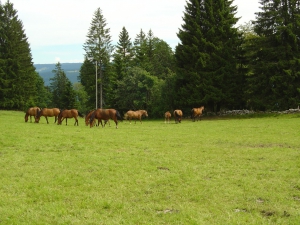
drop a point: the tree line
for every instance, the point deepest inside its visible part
(216, 64)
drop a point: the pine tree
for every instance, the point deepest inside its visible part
(207, 56)
(274, 84)
(98, 49)
(17, 73)
(124, 54)
(87, 79)
(63, 95)
(140, 49)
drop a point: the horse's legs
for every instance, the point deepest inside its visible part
(116, 122)
(47, 119)
(62, 119)
(76, 121)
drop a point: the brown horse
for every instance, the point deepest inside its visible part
(68, 113)
(135, 115)
(196, 113)
(167, 117)
(31, 112)
(88, 116)
(105, 114)
(47, 113)
(178, 115)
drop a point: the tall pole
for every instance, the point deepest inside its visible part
(96, 85)
(101, 86)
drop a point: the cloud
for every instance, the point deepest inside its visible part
(61, 23)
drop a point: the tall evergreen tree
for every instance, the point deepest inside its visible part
(207, 56)
(63, 95)
(140, 49)
(87, 79)
(17, 73)
(124, 54)
(98, 49)
(275, 82)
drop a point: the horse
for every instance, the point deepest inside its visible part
(88, 116)
(196, 113)
(178, 115)
(46, 112)
(105, 114)
(167, 117)
(68, 113)
(129, 115)
(31, 112)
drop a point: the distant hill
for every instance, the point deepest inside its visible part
(71, 70)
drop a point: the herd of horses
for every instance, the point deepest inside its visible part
(102, 115)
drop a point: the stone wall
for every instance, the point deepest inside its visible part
(246, 112)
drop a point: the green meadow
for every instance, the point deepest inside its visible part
(216, 171)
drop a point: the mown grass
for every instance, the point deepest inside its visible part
(234, 171)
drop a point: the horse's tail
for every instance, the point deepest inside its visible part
(80, 114)
(118, 115)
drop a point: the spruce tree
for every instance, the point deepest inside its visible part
(140, 49)
(63, 95)
(17, 73)
(87, 79)
(124, 54)
(275, 82)
(98, 50)
(207, 56)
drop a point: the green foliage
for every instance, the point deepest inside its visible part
(63, 94)
(275, 65)
(207, 57)
(237, 171)
(17, 73)
(98, 49)
(134, 90)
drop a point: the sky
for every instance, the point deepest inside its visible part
(57, 29)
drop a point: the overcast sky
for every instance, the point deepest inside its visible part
(57, 29)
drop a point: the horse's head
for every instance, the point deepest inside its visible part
(38, 115)
(26, 117)
(145, 113)
(59, 117)
(92, 119)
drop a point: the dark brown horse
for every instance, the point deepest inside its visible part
(68, 113)
(88, 116)
(47, 113)
(136, 115)
(167, 117)
(31, 112)
(196, 113)
(105, 114)
(178, 115)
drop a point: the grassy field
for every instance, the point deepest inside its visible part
(229, 171)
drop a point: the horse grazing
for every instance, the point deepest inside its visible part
(88, 116)
(167, 117)
(68, 113)
(135, 115)
(105, 114)
(196, 113)
(47, 113)
(178, 115)
(31, 112)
